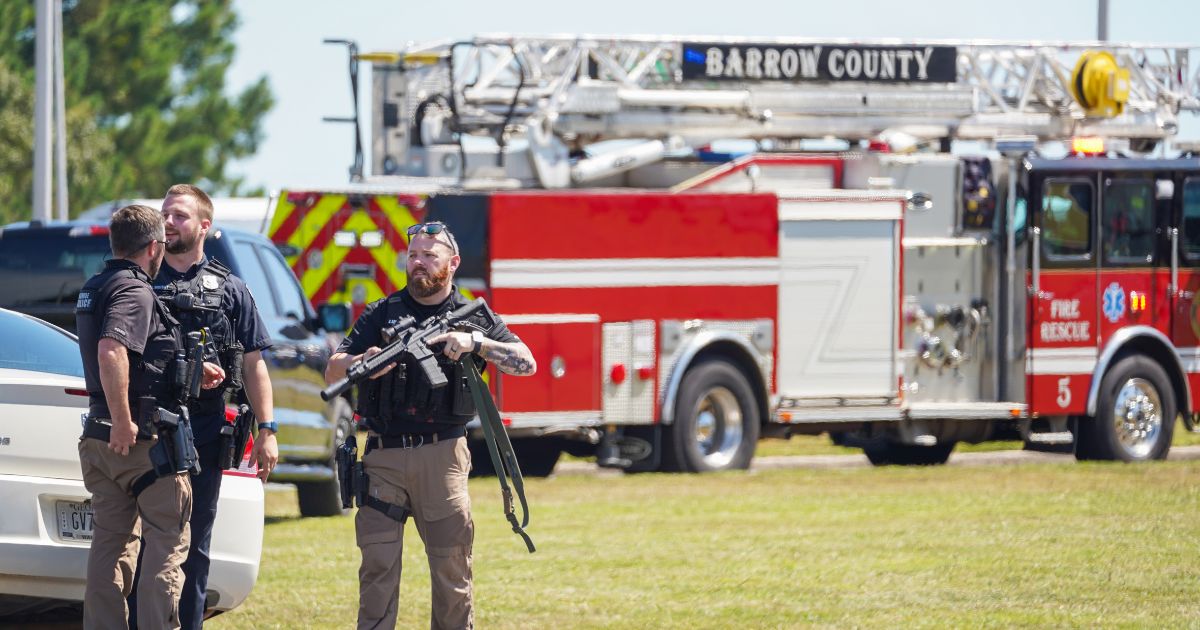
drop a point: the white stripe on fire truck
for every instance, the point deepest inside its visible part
(1062, 361)
(1190, 358)
(638, 272)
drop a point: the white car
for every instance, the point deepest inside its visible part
(45, 512)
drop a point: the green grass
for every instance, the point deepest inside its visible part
(1080, 545)
(820, 445)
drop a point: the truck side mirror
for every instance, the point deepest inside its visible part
(334, 317)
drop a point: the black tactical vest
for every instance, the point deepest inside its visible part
(196, 303)
(403, 402)
(147, 371)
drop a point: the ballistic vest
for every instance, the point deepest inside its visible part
(403, 402)
(148, 374)
(196, 304)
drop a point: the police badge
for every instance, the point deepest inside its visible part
(209, 282)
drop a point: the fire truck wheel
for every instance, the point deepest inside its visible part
(537, 456)
(716, 421)
(887, 453)
(1135, 414)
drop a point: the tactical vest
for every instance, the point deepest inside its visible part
(403, 402)
(148, 371)
(196, 303)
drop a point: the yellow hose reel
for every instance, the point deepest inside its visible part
(1099, 84)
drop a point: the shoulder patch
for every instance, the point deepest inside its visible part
(85, 303)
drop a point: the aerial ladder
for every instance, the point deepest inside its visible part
(546, 102)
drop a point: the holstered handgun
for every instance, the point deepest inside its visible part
(176, 444)
(351, 484)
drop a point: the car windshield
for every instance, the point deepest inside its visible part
(29, 344)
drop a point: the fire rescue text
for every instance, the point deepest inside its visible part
(1073, 330)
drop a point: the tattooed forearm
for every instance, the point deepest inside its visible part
(510, 358)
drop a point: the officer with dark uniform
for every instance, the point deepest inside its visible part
(127, 342)
(202, 294)
(416, 459)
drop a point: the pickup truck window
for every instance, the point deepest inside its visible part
(250, 270)
(291, 299)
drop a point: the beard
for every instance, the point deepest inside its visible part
(426, 285)
(183, 244)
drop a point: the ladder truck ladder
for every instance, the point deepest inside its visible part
(561, 93)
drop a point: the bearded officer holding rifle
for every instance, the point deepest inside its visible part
(416, 408)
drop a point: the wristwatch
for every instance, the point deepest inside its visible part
(477, 339)
(272, 425)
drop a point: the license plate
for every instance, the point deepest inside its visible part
(74, 520)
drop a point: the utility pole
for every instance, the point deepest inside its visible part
(42, 107)
(1102, 21)
(60, 119)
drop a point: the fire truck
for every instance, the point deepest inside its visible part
(707, 241)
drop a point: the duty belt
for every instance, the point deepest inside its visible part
(413, 440)
(101, 429)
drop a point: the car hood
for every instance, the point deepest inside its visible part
(39, 424)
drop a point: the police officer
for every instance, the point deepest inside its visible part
(211, 297)
(126, 342)
(416, 457)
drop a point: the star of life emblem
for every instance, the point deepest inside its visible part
(1114, 302)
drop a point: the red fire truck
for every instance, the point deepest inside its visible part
(885, 282)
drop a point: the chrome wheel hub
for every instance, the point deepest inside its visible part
(1137, 416)
(718, 427)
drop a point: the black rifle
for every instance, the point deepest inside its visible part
(408, 340)
(175, 451)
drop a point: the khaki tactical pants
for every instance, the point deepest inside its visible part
(431, 482)
(160, 512)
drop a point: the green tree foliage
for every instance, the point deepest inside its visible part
(146, 100)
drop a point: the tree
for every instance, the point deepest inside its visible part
(146, 102)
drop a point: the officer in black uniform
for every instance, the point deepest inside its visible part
(202, 293)
(127, 342)
(416, 457)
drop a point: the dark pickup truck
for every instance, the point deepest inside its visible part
(43, 267)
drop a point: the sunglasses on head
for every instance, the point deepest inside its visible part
(433, 228)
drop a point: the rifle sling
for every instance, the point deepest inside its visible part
(504, 460)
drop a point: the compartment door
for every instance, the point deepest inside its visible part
(565, 391)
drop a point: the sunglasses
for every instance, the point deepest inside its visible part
(160, 241)
(433, 228)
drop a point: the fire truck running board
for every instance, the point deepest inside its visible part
(1056, 437)
(965, 410)
(892, 413)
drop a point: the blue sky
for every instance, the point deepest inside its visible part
(282, 40)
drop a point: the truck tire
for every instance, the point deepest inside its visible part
(716, 421)
(888, 453)
(323, 498)
(1135, 414)
(537, 456)
(481, 460)
(318, 498)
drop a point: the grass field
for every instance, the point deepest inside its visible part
(1082, 545)
(820, 445)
